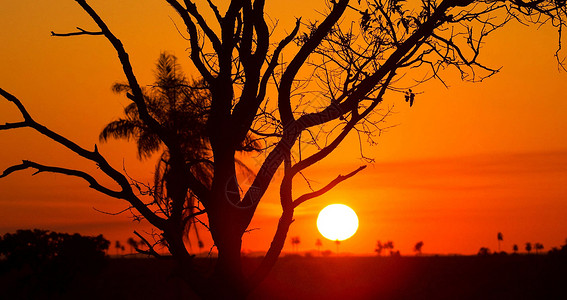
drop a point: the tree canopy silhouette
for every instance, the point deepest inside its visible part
(37, 247)
(337, 72)
(417, 247)
(43, 263)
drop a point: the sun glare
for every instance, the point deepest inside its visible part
(337, 222)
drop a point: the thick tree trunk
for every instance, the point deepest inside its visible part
(227, 223)
(228, 279)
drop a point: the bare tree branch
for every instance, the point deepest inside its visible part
(151, 251)
(138, 96)
(43, 168)
(284, 101)
(196, 49)
(80, 32)
(7, 126)
(93, 156)
(326, 188)
(274, 61)
(192, 9)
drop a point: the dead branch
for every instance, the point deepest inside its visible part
(326, 188)
(151, 251)
(80, 32)
(70, 172)
(94, 156)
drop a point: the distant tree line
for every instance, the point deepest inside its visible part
(42, 264)
(538, 247)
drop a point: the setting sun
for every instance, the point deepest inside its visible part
(337, 222)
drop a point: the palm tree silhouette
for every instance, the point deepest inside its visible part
(177, 106)
(133, 244)
(119, 247)
(174, 103)
(295, 241)
(529, 247)
(500, 239)
(182, 107)
(515, 248)
(318, 243)
(538, 246)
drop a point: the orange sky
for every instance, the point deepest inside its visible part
(463, 163)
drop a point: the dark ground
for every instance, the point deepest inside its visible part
(457, 277)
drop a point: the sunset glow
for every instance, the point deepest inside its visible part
(460, 165)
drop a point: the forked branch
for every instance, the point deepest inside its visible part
(80, 32)
(151, 251)
(94, 156)
(26, 164)
(138, 96)
(326, 188)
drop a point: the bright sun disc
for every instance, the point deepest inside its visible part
(337, 222)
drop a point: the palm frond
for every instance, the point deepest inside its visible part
(169, 74)
(148, 143)
(120, 87)
(159, 181)
(131, 111)
(120, 129)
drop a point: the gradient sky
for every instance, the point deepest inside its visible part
(461, 165)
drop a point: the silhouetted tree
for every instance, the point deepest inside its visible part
(537, 247)
(389, 245)
(338, 243)
(500, 239)
(515, 248)
(529, 247)
(379, 248)
(417, 247)
(119, 247)
(133, 244)
(336, 77)
(295, 241)
(318, 244)
(554, 251)
(47, 262)
(37, 246)
(483, 251)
